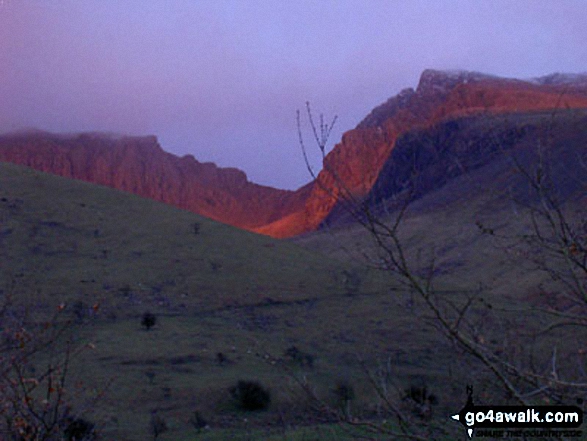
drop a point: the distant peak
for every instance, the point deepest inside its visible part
(443, 80)
(457, 74)
(561, 79)
(112, 136)
(108, 136)
(27, 131)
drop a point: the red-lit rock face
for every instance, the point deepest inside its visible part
(140, 166)
(355, 163)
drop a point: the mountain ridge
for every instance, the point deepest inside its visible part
(139, 165)
(354, 164)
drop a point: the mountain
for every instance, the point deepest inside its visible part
(460, 146)
(139, 165)
(483, 154)
(354, 165)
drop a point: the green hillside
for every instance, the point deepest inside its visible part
(68, 240)
(109, 256)
(488, 189)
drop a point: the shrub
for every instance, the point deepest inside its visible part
(79, 430)
(344, 393)
(80, 311)
(221, 359)
(250, 395)
(151, 376)
(148, 320)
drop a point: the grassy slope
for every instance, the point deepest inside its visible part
(444, 221)
(221, 290)
(71, 240)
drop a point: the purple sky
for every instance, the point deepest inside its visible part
(222, 79)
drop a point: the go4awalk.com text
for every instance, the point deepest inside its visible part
(520, 421)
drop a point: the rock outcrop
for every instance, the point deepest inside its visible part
(139, 165)
(354, 165)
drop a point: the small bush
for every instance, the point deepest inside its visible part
(151, 376)
(250, 395)
(148, 320)
(221, 359)
(344, 393)
(79, 430)
(80, 311)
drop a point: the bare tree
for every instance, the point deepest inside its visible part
(555, 242)
(36, 402)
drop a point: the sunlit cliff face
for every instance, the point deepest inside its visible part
(222, 80)
(139, 164)
(354, 164)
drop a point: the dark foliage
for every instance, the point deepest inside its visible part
(151, 376)
(79, 429)
(420, 401)
(221, 359)
(250, 395)
(148, 320)
(80, 311)
(344, 392)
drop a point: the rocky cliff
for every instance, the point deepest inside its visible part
(352, 168)
(355, 164)
(139, 165)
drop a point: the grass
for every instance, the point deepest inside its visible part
(75, 241)
(221, 290)
(148, 373)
